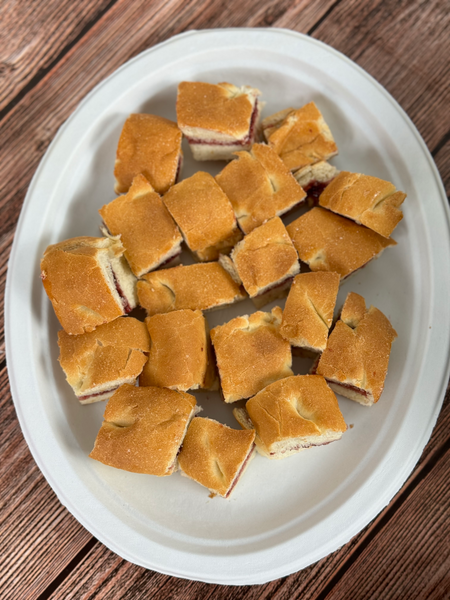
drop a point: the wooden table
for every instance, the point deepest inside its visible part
(51, 54)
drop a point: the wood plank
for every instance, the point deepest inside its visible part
(416, 557)
(5, 248)
(38, 536)
(38, 116)
(405, 46)
(36, 34)
(100, 575)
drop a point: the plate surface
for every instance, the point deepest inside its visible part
(283, 515)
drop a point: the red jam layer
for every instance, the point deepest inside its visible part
(358, 390)
(314, 189)
(241, 470)
(248, 139)
(88, 396)
(126, 305)
(300, 447)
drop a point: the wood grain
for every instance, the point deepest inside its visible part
(101, 574)
(416, 542)
(30, 126)
(58, 58)
(5, 248)
(34, 35)
(38, 537)
(387, 39)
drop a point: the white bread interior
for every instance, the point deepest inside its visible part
(285, 448)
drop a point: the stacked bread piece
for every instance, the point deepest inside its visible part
(232, 225)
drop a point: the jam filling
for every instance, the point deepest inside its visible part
(98, 394)
(243, 142)
(169, 260)
(241, 470)
(300, 447)
(348, 386)
(126, 305)
(314, 189)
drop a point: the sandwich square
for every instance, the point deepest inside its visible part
(356, 358)
(151, 146)
(300, 136)
(217, 119)
(367, 200)
(259, 186)
(205, 286)
(292, 414)
(143, 429)
(148, 232)
(328, 242)
(180, 352)
(204, 215)
(309, 308)
(215, 455)
(88, 282)
(97, 363)
(251, 354)
(266, 261)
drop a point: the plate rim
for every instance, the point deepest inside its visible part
(8, 301)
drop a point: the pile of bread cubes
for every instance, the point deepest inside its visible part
(231, 224)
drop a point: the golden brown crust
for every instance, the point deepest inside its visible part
(147, 230)
(328, 242)
(367, 200)
(222, 108)
(150, 145)
(265, 256)
(143, 429)
(251, 353)
(295, 407)
(202, 287)
(309, 308)
(75, 282)
(99, 360)
(204, 214)
(358, 348)
(214, 454)
(179, 354)
(259, 186)
(302, 138)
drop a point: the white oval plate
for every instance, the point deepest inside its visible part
(283, 515)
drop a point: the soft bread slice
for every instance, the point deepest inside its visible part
(259, 186)
(302, 138)
(149, 145)
(97, 363)
(366, 200)
(315, 178)
(88, 281)
(143, 429)
(272, 122)
(205, 216)
(292, 414)
(206, 286)
(328, 242)
(215, 455)
(180, 353)
(266, 261)
(148, 232)
(356, 358)
(308, 313)
(217, 120)
(250, 354)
